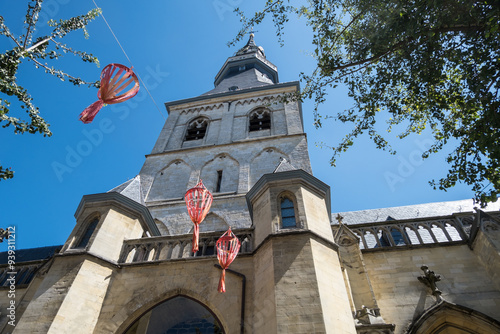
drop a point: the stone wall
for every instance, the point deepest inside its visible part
(333, 295)
(487, 248)
(228, 118)
(263, 296)
(5, 303)
(402, 298)
(243, 162)
(167, 176)
(68, 299)
(114, 228)
(136, 289)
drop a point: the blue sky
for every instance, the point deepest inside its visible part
(177, 47)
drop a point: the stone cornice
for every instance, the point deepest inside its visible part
(123, 202)
(214, 99)
(299, 175)
(238, 142)
(316, 236)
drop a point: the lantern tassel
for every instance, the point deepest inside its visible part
(89, 113)
(196, 233)
(222, 281)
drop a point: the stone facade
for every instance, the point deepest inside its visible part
(128, 267)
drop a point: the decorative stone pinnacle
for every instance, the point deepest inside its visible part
(339, 218)
(4, 234)
(430, 279)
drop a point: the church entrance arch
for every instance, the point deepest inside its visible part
(177, 315)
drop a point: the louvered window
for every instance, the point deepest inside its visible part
(196, 129)
(260, 119)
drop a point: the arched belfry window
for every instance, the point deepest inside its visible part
(260, 119)
(85, 237)
(287, 211)
(196, 129)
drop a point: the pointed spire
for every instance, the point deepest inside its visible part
(251, 42)
(247, 68)
(251, 47)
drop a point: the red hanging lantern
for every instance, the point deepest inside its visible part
(198, 202)
(228, 247)
(111, 86)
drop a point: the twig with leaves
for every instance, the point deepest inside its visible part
(36, 52)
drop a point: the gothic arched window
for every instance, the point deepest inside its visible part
(177, 315)
(287, 212)
(260, 119)
(196, 129)
(85, 238)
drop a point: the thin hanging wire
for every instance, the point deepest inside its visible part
(126, 56)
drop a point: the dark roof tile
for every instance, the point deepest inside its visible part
(31, 254)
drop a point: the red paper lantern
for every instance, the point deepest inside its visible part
(111, 86)
(228, 247)
(198, 202)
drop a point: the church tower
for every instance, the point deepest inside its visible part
(128, 261)
(228, 137)
(128, 266)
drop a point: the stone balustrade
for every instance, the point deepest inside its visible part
(375, 235)
(396, 233)
(173, 247)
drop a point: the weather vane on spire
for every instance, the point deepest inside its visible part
(251, 31)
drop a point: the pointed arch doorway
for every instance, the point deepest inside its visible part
(177, 315)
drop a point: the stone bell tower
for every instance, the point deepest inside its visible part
(129, 256)
(229, 137)
(250, 150)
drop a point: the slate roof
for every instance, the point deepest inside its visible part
(131, 189)
(31, 254)
(284, 166)
(247, 79)
(248, 68)
(411, 212)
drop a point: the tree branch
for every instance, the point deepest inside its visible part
(7, 32)
(60, 74)
(347, 26)
(399, 45)
(38, 44)
(31, 22)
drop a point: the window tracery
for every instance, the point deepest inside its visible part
(260, 119)
(196, 129)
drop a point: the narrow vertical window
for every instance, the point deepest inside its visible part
(219, 181)
(88, 233)
(287, 213)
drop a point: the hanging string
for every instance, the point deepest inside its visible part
(126, 56)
